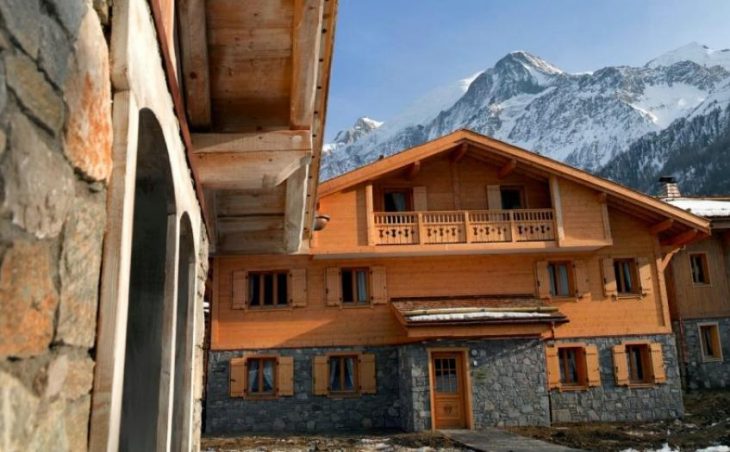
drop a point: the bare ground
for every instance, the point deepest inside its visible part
(706, 423)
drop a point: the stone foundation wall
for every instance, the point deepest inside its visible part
(303, 411)
(610, 403)
(55, 161)
(699, 374)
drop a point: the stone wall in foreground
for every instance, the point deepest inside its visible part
(55, 160)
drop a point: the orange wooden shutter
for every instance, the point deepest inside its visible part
(319, 375)
(420, 200)
(620, 365)
(647, 283)
(298, 287)
(609, 277)
(543, 279)
(333, 286)
(368, 384)
(582, 284)
(494, 197)
(237, 377)
(593, 368)
(379, 286)
(657, 363)
(285, 376)
(240, 290)
(553, 366)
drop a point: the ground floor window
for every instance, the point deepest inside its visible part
(639, 364)
(261, 376)
(343, 374)
(710, 342)
(572, 366)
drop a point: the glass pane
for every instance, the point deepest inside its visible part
(253, 375)
(281, 289)
(551, 271)
(268, 289)
(617, 275)
(347, 289)
(268, 375)
(627, 277)
(511, 199)
(362, 286)
(445, 372)
(707, 341)
(349, 374)
(254, 286)
(396, 201)
(563, 286)
(335, 373)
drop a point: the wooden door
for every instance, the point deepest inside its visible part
(448, 390)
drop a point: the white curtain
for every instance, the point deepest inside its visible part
(334, 374)
(349, 373)
(268, 375)
(253, 375)
(362, 289)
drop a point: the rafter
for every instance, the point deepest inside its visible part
(681, 239)
(507, 169)
(459, 153)
(195, 66)
(306, 39)
(412, 170)
(661, 226)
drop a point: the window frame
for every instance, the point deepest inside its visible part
(408, 191)
(261, 274)
(705, 268)
(275, 386)
(354, 285)
(554, 280)
(518, 188)
(634, 275)
(647, 367)
(715, 328)
(341, 356)
(580, 364)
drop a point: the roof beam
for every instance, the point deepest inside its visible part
(507, 169)
(412, 170)
(681, 239)
(195, 69)
(306, 39)
(296, 203)
(279, 140)
(661, 226)
(460, 152)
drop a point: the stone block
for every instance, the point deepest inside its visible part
(54, 51)
(17, 417)
(80, 270)
(76, 417)
(21, 20)
(33, 90)
(69, 13)
(29, 300)
(38, 182)
(88, 139)
(50, 429)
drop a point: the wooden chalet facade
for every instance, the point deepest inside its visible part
(698, 281)
(462, 283)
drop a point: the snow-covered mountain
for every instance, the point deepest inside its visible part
(587, 119)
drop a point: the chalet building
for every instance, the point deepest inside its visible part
(698, 283)
(462, 283)
(135, 139)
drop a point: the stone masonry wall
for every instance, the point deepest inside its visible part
(711, 374)
(55, 160)
(508, 381)
(303, 411)
(610, 403)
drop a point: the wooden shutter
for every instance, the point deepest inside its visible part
(319, 375)
(237, 377)
(298, 287)
(553, 366)
(593, 367)
(240, 290)
(333, 286)
(543, 279)
(420, 201)
(368, 383)
(609, 277)
(379, 293)
(285, 377)
(620, 365)
(494, 197)
(657, 363)
(582, 283)
(644, 266)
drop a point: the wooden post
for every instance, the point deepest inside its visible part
(421, 234)
(557, 210)
(370, 214)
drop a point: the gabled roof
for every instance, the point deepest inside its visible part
(617, 193)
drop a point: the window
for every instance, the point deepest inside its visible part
(561, 279)
(698, 264)
(710, 342)
(627, 281)
(397, 200)
(343, 374)
(355, 286)
(267, 289)
(639, 364)
(260, 378)
(572, 366)
(512, 197)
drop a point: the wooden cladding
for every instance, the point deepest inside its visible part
(638, 364)
(261, 376)
(342, 374)
(572, 366)
(275, 289)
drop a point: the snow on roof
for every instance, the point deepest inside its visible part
(706, 207)
(476, 316)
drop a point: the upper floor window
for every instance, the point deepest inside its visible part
(561, 279)
(398, 200)
(627, 281)
(268, 289)
(355, 286)
(698, 264)
(513, 197)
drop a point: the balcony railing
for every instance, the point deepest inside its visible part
(465, 226)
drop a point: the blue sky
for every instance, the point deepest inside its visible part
(390, 52)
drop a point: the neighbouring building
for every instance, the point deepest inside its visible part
(462, 283)
(698, 282)
(137, 137)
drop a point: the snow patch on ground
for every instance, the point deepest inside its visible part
(666, 448)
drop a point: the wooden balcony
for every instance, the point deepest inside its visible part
(466, 226)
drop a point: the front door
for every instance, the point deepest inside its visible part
(448, 390)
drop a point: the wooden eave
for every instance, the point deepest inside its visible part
(645, 207)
